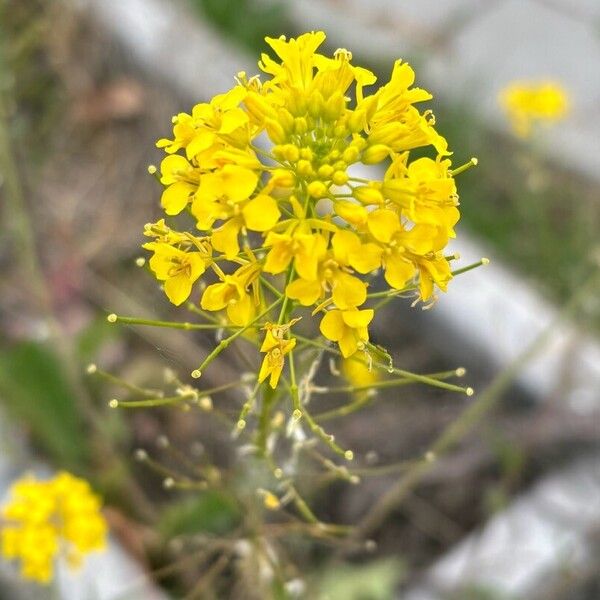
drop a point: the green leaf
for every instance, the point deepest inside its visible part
(374, 581)
(209, 511)
(35, 391)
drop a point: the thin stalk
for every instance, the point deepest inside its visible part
(113, 318)
(405, 374)
(223, 344)
(472, 415)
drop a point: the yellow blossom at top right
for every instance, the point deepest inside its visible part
(529, 103)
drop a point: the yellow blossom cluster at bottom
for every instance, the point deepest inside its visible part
(46, 519)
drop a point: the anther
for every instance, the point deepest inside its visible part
(112, 318)
(469, 391)
(151, 169)
(348, 455)
(114, 403)
(91, 368)
(460, 372)
(196, 373)
(485, 261)
(297, 415)
(140, 261)
(168, 483)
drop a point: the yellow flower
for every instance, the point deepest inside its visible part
(347, 291)
(232, 293)
(220, 192)
(348, 328)
(178, 269)
(276, 346)
(182, 181)
(424, 191)
(163, 234)
(258, 214)
(291, 203)
(47, 519)
(297, 56)
(527, 103)
(217, 122)
(304, 248)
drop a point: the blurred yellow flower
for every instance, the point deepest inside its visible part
(528, 103)
(44, 520)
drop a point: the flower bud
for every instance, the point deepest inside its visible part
(367, 195)
(317, 189)
(275, 131)
(285, 119)
(375, 154)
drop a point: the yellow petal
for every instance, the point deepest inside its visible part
(332, 325)
(269, 342)
(348, 343)
(202, 140)
(261, 213)
(358, 318)
(233, 119)
(172, 168)
(206, 212)
(345, 243)
(176, 197)
(306, 292)
(265, 369)
(383, 224)
(348, 291)
(197, 265)
(237, 183)
(161, 262)
(355, 214)
(312, 249)
(398, 272)
(242, 311)
(278, 258)
(225, 239)
(178, 288)
(216, 296)
(366, 259)
(276, 373)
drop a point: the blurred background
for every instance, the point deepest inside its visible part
(512, 507)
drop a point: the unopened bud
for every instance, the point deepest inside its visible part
(375, 154)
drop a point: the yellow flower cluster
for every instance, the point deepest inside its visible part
(268, 173)
(46, 519)
(528, 103)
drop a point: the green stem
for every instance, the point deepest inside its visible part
(365, 400)
(264, 419)
(405, 374)
(300, 412)
(112, 318)
(472, 415)
(286, 300)
(152, 402)
(223, 344)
